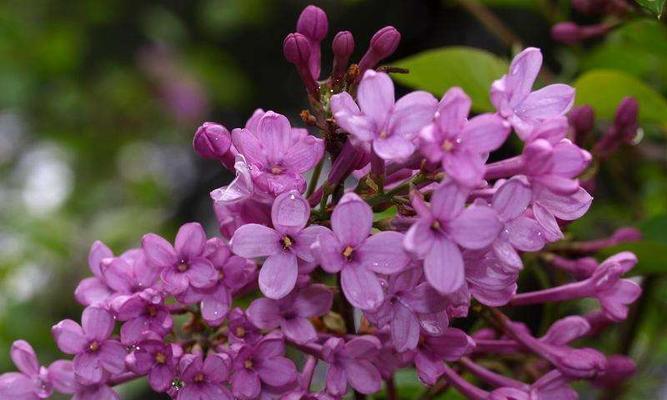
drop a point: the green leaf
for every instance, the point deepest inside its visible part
(655, 7)
(651, 249)
(440, 69)
(604, 89)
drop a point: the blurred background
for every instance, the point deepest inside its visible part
(99, 101)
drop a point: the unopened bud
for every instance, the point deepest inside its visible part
(212, 140)
(627, 234)
(590, 7)
(582, 119)
(627, 112)
(313, 23)
(619, 369)
(383, 44)
(566, 32)
(296, 49)
(342, 47)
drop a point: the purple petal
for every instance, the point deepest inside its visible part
(313, 301)
(424, 299)
(278, 275)
(411, 113)
(201, 273)
(175, 281)
(246, 384)
(190, 240)
(304, 242)
(363, 376)
(239, 189)
(290, 212)
(249, 146)
(375, 96)
(453, 112)
(522, 74)
(215, 308)
(464, 166)
(393, 148)
(254, 240)
(548, 223)
(429, 370)
(216, 367)
(365, 346)
(361, 287)
(298, 329)
(526, 234)
(97, 323)
(349, 117)
(450, 346)
(383, 253)
(270, 347)
(444, 267)
(569, 159)
(264, 313)
(336, 380)
(404, 328)
(448, 200)
(159, 252)
(329, 250)
(485, 133)
(88, 368)
(274, 133)
(69, 337)
(511, 199)
(566, 207)
(17, 386)
(112, 356)
(23, 356)
(352, 220)
(61, 375)
(476, 227)
(160, 378)
(549, 102)
(303, 155)
(566, 330)
(117, 275)
(98, 252)
(91, 291)
(419, 238)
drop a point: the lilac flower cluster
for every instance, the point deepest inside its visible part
(357, 296)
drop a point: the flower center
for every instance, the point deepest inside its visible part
(447, 145)
(240, 331)
(287, 242)
(152, 311)
(199, 378)
(247, 364)
(94, 346)
(276, 170)
(182, 267)
(347, 252)
(383, 134)
(221, 275)
(435, 225)
(160, 358)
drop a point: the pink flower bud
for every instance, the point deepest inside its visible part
(212, 140)
(296, 49)
(627, 235)
(627, 112)
(582, 119)
(383, 44)
(566, 32)
(343, 45)
(313, 23)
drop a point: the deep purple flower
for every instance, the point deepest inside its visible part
(204, 379)
(143, 312)
(291, 313)
(407, 296)
(156, 359)
(459, 144)
(212, 140)
(32, 382)
(184, 264)
(383, 44)
(277, 154)
(388, 126)
(442, 228)
(450, 346)
(512, 96)
(241, 330)
(260, 363)
(313, 24)
(96, 355)
(287, 242)
(350, 363)
(64, 379)
(348, 249)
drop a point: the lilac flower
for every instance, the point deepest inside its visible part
(184, 264)
(349, 363)
(350, 250)
(407, 297)
(552, 385)
(278, 155)
(212, 140)
(233, 274)
(554, 166)
(96, 355)
(462, 145)
(143, 312)
(260, 363)
(241, 330)
(512, 96)
(291, 313)
(450, 346)
(94, 290)
(313, 24)
(64, 379)
(286, 243)
(32, 382)
(156, 359)
(204, 379)
(389, 126)
(129, 273)
(442, 227)
(488, 279)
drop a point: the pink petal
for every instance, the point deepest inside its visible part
(453, 112)
(419, 238)
(383, 253)
(274, 133)
(349, 117)
(97, 323)
(278, 275)
(411, 113)
(329, 250)
(23, 356)
(375, 96)
(566, 330)
(569, 159)
(190, 240)
(69, 337)
(264, 313)
(112, 356)
(548, 223)
(444, 267)
(91, 291)
(549, 102)
(404, 328)
(98, 252)
(249, 146)
(566, 207)
(159, 252)
(116, 272)
(511, 199)
(216, 367)
(361, 287)
(526, 234)
(303, 155)
(160, 378)
(393, 148)
(17, 386)
(304, 242)
(363, 376)
(255, 240)
(352, 220)
(246, 384)
(485, 133)
(290, 212)
(464, 166)
(215, 308)
(522, 74)
(88, 368)
(448, 200)
(476, 227)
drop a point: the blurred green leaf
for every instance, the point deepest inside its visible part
(438, 70)
(604, 89)
(655, 7)
(651, 250)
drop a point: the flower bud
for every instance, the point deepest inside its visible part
(342, 47)
(566, 32)
(627, 112)
(626, 234)
(383, 44)
(619, 368)
(582, 119)
(313, 23)
(212, 140)
(590, 7)
(296, 49)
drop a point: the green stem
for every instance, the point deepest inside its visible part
(314, 178)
